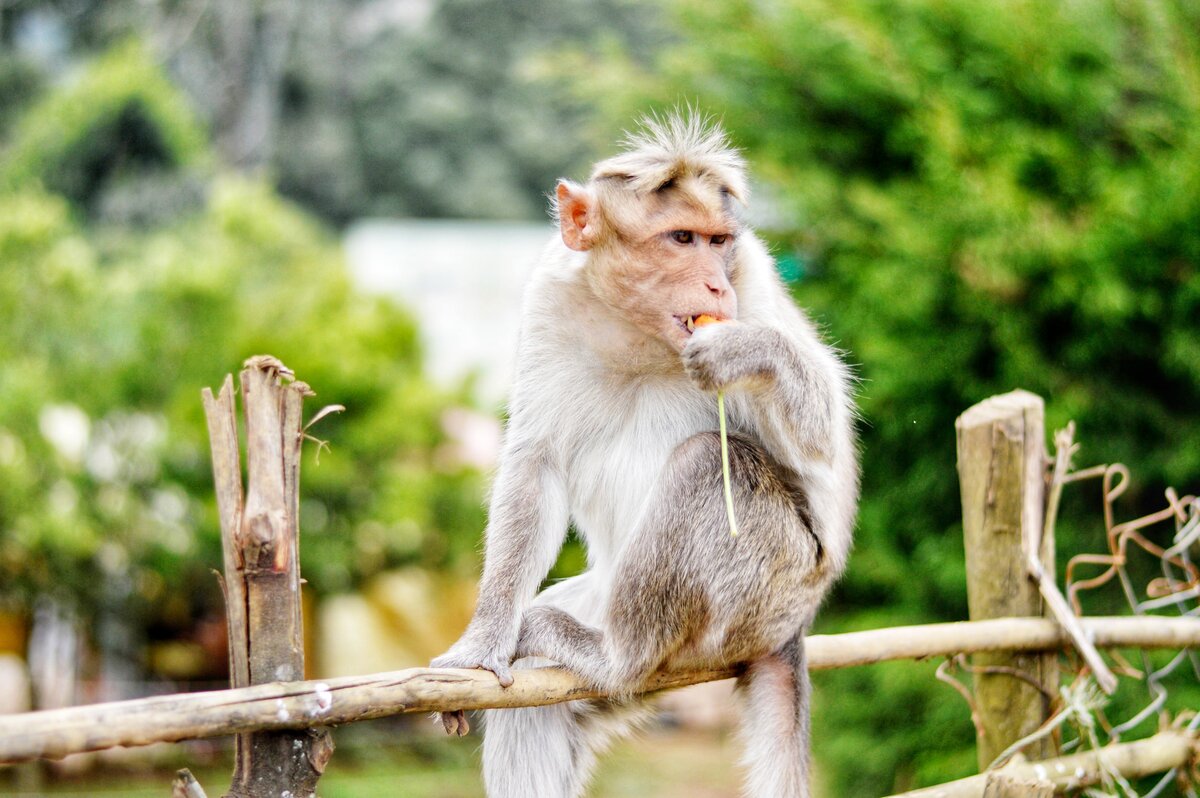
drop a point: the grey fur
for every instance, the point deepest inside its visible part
(611, 428)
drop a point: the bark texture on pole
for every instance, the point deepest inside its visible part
(260, 538)
(1001, 470)
(1000, 785)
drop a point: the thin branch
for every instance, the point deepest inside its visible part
(1156, 754)
(1064, 447)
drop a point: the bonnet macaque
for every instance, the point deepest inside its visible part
(612, 428)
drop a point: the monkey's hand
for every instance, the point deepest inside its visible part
(731, 354)
(468, 653)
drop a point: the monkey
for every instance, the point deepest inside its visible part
(612, 430)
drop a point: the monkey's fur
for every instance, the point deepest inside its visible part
(612, 428)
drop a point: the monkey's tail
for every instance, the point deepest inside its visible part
(774, 727)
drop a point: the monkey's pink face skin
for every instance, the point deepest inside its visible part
(658, 260)
(662, 282)
(693, 267)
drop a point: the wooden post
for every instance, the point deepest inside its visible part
(1001, 470)
(260, 536)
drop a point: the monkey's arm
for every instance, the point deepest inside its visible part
(796, 387)
(527, 521)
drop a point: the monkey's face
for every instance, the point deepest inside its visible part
(662, 259)
(678, 271)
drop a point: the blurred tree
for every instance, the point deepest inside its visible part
(440, 108)
(110, 331)
(20, 82)
(119, 126)
(980, 196)
(373, 107)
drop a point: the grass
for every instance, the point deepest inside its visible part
(393, 762)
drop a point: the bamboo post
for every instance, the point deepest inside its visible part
(1001, 470)
(260, 535)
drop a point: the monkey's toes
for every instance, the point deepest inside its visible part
(503, 674)
(455, 723)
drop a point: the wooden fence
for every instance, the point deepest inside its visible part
(283, 744)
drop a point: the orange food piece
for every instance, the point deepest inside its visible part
(704, 318)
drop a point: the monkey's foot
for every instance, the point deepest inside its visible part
(485, 659)
(455, 723)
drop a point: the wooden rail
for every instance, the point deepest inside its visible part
(283, 743)
(307, 704)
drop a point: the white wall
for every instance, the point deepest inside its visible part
(463, 282)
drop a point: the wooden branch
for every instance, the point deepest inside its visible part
(1001, 468)
(57, 733)
(1002, 785)
(1059, 608)
(1156, 754)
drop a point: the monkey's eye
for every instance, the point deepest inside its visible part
(682, 236)
(719, 240)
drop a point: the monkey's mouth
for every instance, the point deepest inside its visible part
(689, 323)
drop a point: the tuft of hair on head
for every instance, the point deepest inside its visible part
(665, 148)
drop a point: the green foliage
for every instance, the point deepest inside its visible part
(120, 116)
(109, 334)
(20, 82)
(983, 196)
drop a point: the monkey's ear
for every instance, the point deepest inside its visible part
(576, 215)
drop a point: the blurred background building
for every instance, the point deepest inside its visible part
(463, 280)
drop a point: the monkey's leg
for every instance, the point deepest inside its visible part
(686, 591)
(616, 663)
(714, 599)
(555, 634)
(549, 752)
(775, 723)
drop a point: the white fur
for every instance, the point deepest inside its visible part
(596, 411)
(774, 761)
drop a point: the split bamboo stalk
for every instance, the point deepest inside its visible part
(260, 540)
(54, 734)
(1156, 754)
(1001, 470)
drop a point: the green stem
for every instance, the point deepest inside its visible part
(733, 527)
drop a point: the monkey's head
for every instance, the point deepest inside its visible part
(660, 228)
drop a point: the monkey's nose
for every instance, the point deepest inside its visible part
(715, 290)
